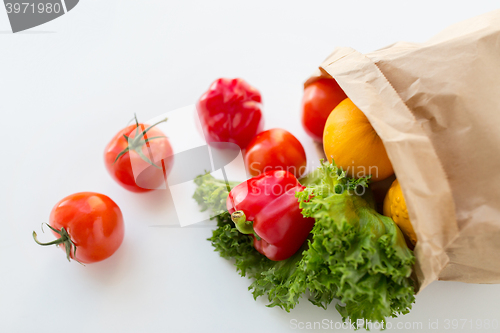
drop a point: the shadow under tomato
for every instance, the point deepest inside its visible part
(113, 269)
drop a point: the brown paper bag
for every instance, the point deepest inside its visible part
(436, 107)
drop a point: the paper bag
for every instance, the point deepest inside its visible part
(436, 107)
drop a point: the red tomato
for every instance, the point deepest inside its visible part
(142, 162)
(89, 226)
(275, 149)
(319, 100)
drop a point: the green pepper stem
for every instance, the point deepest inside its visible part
(245, 227)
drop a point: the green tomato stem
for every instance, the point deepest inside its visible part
(137, 142)
(64, 239)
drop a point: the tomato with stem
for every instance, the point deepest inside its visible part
(88, 226)
(139, 157)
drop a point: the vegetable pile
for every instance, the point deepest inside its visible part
(319, 236)
(353, 254)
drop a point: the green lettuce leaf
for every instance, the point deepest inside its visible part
(211, 193)
(356, 255)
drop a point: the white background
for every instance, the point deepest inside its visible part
(68, 86)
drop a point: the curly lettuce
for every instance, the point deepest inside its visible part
(356, 255)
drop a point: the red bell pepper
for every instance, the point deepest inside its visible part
(230, 111)
(266, 208)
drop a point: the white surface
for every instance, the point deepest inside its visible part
(68, 86)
